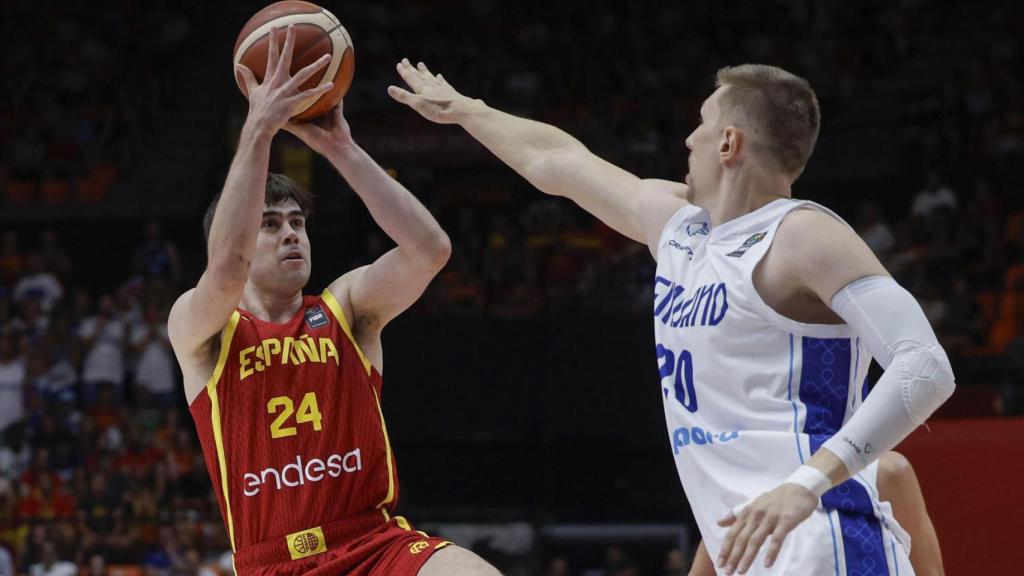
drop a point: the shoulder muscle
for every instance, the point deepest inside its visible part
(822, 253)
(657, 201)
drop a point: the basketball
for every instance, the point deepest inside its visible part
(317, 32)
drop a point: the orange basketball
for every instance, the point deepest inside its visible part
(317, 32)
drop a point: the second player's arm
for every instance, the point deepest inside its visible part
(549, 158)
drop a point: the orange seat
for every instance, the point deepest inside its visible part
(55, 191)
(21, 192)
(1014, 277)
(93, 188)
(1014, 226)
(986, 302)
(1005, 327)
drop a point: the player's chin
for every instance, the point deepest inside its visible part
(294, 271)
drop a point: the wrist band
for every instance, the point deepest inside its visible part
(811, 478)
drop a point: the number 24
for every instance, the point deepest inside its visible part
(308, 412)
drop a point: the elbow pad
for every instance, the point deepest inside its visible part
(918, 377)
(925, 377)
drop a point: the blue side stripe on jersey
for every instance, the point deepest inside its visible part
(796, 433)
(878, 513)
(823, 386)
(863, 546)
(824, 382)
(835, 544)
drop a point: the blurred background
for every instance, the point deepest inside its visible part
(522, 392)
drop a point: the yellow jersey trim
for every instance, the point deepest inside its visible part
(305, 543)
(387, 447)
(332, 303)
(218, 435)
(403, 523)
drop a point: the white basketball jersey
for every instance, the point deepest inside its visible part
(750, 395)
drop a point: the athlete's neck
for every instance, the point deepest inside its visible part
(270, 306)
(742, 191)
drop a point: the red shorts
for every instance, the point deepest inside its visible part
(365, 545)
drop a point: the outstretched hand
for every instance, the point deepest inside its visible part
(273, 102)
(432, 96)
(321, 134)
(770, 516)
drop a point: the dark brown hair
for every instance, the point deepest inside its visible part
(781, 107)
(280, 188)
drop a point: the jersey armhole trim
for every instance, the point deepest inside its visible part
(683, 213)
(772, 316)
(218, 434)
(227, 335)
(335, 307)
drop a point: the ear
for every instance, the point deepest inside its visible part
(731, 145)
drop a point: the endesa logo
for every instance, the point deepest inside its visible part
(683, 437)
(299, 472)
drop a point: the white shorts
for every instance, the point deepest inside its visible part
(844, 541)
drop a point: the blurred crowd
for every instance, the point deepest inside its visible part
(100, 471)
(83, 86)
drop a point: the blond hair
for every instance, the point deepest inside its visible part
(781, 108)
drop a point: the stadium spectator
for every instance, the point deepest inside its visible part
(157, 258)
(12, 381)
(874, 230)
(102, 339)
(155, 370)
(38, 283)
(51, 564)
(934, 196)
(55, 258)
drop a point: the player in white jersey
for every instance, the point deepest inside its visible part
(767, 311)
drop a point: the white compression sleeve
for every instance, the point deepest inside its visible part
(917, 378)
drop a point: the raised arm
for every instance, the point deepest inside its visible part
(373, 295)
(549, 158)
(201, 312)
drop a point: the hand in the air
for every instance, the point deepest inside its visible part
(432, 96)
(771, 515)
(329, 130)
(273, 102)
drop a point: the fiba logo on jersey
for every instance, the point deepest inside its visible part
(315, 317)
(306, 542)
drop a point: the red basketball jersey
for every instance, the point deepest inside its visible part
(291, 427)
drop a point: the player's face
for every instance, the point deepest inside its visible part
(704, 160)
(282, 259)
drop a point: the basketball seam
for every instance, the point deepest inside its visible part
(330, 72)
(333, 25)
(264, 29)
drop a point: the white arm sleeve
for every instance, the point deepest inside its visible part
(917, 378)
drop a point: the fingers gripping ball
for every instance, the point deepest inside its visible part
(317, 32)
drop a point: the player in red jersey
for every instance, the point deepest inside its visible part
(285, 388)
